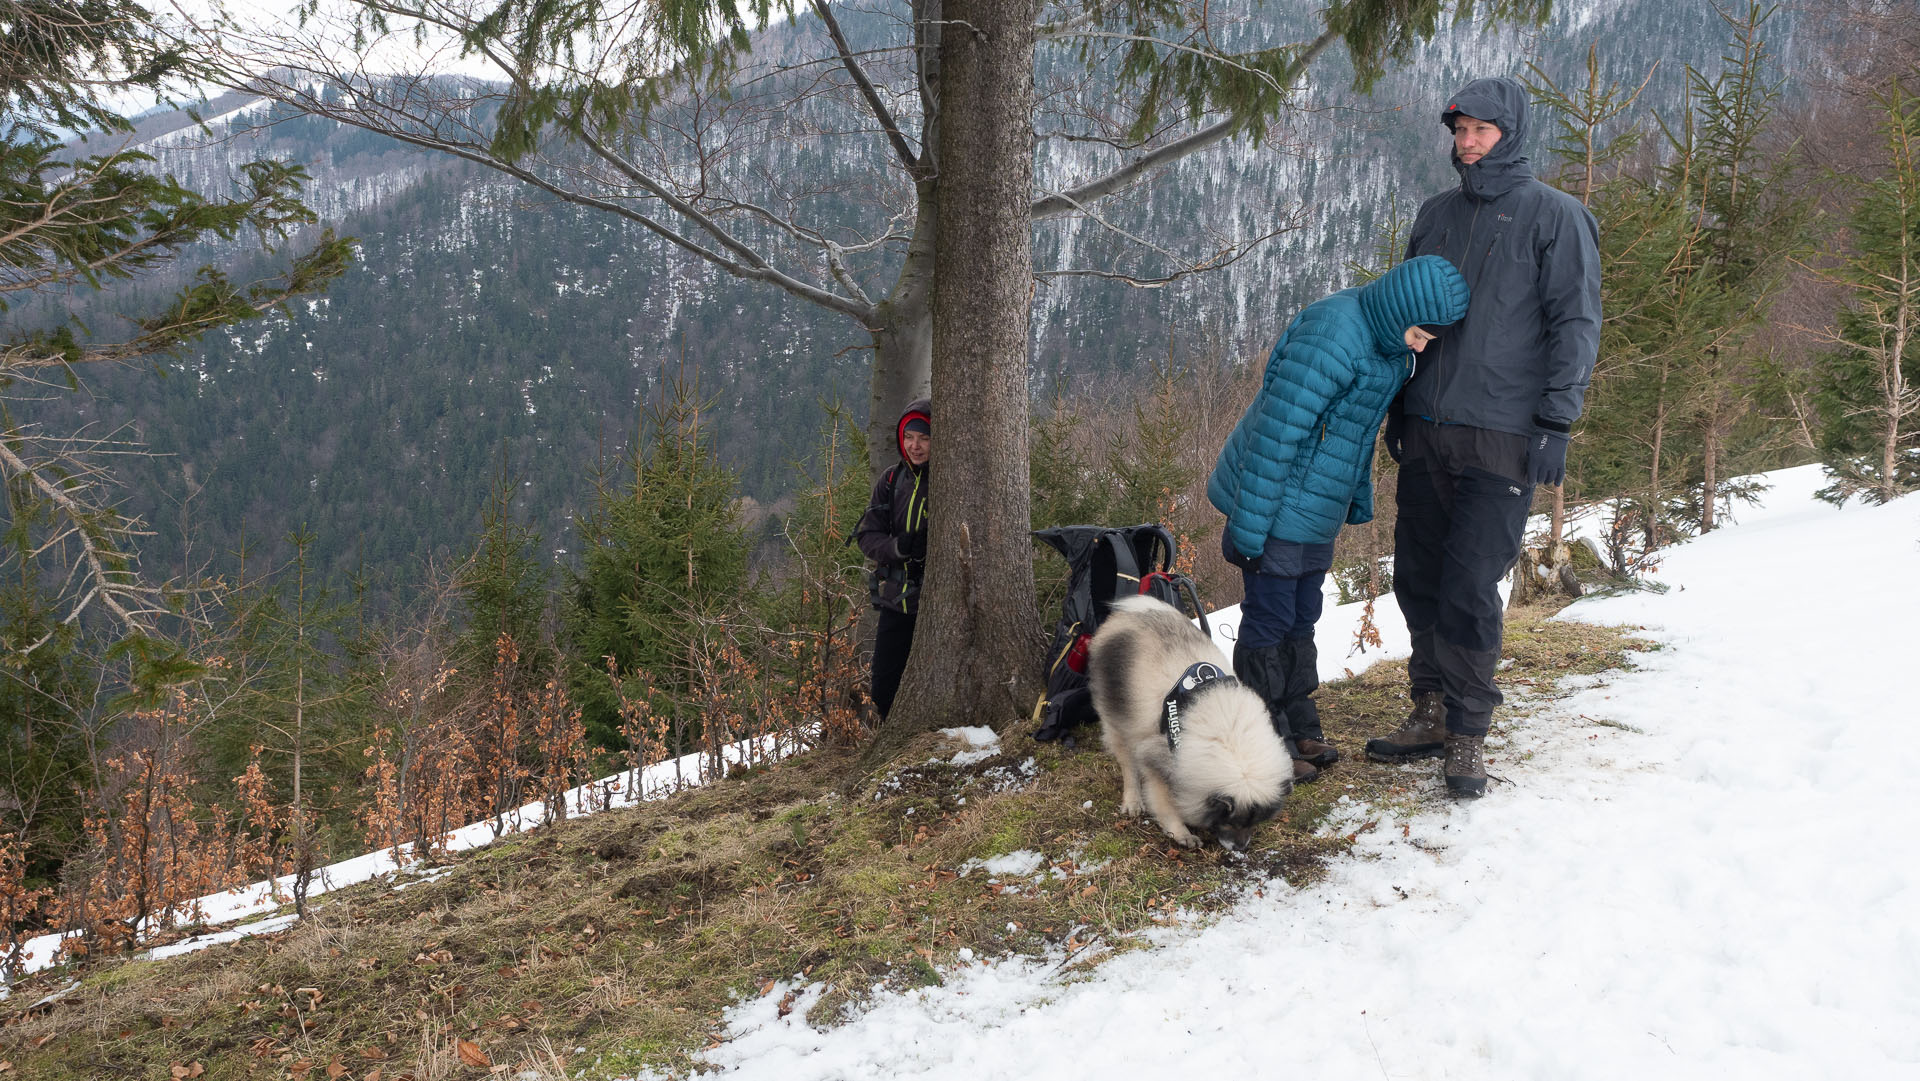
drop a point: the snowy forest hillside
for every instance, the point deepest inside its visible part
(361, 495)
(1692, 862)
(483, 323)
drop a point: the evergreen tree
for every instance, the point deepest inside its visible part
(1692, 254)
(1586, 146)
(1869, 385)
(664, 562)
(1154, 465)
(47, 724)
(285, 682)
(77, 223)
(503, 584)
(1069, 486)
(1654, 314)
(1747, 222)
(818, 605)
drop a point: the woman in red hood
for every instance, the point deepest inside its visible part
(893, 533)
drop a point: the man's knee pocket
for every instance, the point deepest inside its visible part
(1489, 520)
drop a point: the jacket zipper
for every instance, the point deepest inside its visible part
(1492, 244)
(1466, 246)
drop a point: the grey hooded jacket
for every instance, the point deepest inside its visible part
(1519, 362)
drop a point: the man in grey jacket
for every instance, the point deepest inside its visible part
(1485, 418)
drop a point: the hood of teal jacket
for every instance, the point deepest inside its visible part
(1424, 291)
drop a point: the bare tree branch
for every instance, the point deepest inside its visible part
(1219, 260)
(416, 111)
(367, 113)
(881, 113)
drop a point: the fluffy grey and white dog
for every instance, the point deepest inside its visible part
(1195, 746)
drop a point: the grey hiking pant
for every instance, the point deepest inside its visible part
(1462, 503)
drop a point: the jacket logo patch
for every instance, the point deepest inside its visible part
(1506, 217)
(1513, 490)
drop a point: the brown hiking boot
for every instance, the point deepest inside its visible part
(1466, 768)
(1317, 751)
(1304, 771)
(1424, 735)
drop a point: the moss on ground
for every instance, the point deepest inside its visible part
(618, 941)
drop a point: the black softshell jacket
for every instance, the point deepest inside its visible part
(1520, 360)
(898, 507)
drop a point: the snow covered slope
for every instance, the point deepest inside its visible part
(1728, 887)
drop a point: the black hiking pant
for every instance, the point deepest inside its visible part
(1462, 502)
(892, 641)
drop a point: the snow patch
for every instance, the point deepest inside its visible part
(1022, 864)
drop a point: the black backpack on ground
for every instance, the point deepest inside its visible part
(1105, 564)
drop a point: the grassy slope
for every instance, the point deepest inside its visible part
(615, 942)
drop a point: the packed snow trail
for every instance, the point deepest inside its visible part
(1727, 888)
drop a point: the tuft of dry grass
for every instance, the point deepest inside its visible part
(617, 942)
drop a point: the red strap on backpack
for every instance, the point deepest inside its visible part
(1147, 580)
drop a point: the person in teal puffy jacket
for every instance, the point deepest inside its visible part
(1300, 464)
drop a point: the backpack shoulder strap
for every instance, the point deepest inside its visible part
(1153, 546)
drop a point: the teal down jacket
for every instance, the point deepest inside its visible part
(1300, 462)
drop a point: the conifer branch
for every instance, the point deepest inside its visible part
(104, 570)
(1066, 202)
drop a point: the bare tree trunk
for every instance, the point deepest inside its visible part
(302, 866)
(1659, 442)
(978, 634)
(1710, 464)
(1897, 405)
(903, 339)
(1890, 455)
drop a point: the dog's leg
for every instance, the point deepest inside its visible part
(1130, 805)
(1160, 804)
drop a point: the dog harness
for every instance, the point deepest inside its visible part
(1195, 677)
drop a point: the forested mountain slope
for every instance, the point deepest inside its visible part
(485, 326)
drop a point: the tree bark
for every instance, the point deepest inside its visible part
(974, 649)
(902, 329)
(1710, 464)
(1896, 390)
(1654, 498)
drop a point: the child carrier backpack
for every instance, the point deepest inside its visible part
(1104, 564)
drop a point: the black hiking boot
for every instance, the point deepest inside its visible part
(1424, 735)
(1466, 768)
